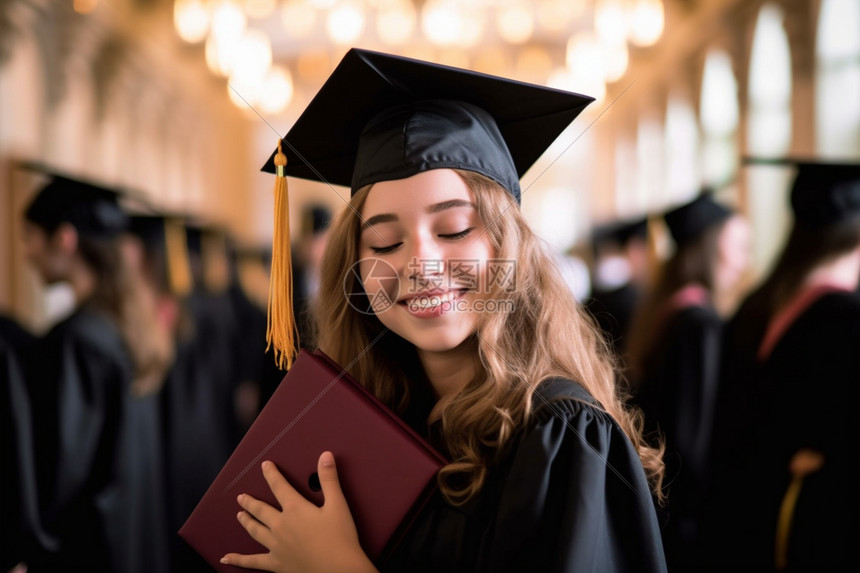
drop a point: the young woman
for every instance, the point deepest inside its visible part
(94, 381)
(439, 295)
(674, 354)
(777, 454)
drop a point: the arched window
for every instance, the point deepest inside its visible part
(649, 152)
(719, 117)
(837, 103)
(627, 199)
(769, 133)
(681, 161)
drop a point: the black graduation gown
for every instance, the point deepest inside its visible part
(803, 395)
(99, 453)
(200, 426)
(613, 311)
(677, 394)
(19, 518)
(571, 496)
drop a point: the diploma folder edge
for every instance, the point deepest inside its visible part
(387, 471)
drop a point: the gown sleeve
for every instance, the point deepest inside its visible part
(576, 499)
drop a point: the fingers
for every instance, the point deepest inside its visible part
(258, 532)
(260, 510)
(286, 495)
(259, 561)
(327, 471)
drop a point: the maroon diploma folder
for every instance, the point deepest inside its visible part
(386, 470)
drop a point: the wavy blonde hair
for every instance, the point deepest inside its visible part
(547, 335)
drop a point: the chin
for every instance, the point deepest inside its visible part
(432, 340)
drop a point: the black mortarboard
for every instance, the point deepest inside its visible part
(822, 193)
(630, 229)
(691, 219)
(382, 117)
(166, 235)
(91, 209)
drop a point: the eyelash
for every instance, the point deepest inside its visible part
(453, 236)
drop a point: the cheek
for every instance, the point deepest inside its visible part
(380, 281)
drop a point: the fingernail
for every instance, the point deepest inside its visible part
(266, 464)
(240, 497)
(224, 560)
(327, 459)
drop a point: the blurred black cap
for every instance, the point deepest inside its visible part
(382, 117)
(823, 193)
(93, 210)
(690, 220)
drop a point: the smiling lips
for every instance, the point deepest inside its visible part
(433, 303)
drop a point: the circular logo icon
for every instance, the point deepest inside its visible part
(381, 286)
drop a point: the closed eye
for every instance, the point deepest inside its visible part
(383, 250)
(460, 235)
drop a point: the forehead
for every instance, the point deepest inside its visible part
(416, 193)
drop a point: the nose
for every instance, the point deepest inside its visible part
(426, 262)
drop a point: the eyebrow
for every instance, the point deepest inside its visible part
(432, 209)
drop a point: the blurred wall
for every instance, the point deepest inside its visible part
(113, 96)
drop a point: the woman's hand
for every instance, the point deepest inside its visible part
(301, 537)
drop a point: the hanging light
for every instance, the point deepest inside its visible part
(217, 55)
(585, 59)
(471, 28)
(610, 22)
(516, 22)
(228, 20)
(616, 58)
(251, 57)
(345, 22)
(442, 22)
(260, 9)
(191, 19)
(556, 15)
(276, 90)
(298, 18)
(243, 93)
(646, 22)
(395, 21)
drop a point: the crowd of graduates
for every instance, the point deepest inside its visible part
(751, 401)
(116, 421)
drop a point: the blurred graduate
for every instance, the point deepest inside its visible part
(674, 353)
(784, 496)
(95, 379)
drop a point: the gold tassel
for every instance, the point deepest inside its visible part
(281, 333)
(783, 526)
(176, 251)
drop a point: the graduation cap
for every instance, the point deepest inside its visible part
(208, 253)
(381, 117)
(691, 219)
(631, 229)
(93, 210)
(823, 193)
(166, 234)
